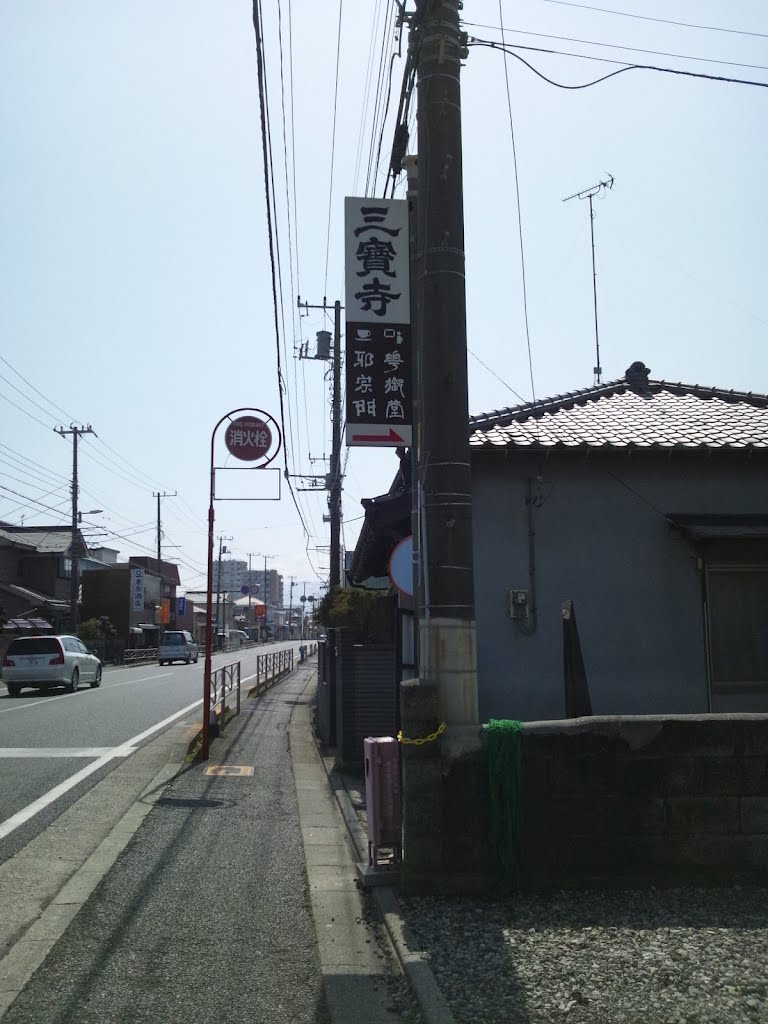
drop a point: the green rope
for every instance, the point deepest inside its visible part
(504, 749)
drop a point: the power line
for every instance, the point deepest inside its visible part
(632, 49)
(16, 406)
(498, 378)
(519, 215)
(37, 392)
(510, 49)
(333, 151)
(663, 21)
(264, 145)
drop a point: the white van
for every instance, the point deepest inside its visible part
(177, 645)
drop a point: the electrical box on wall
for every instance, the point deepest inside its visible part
(517, 604)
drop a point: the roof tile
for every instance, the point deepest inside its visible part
(617, 415)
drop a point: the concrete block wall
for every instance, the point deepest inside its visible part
(641, 797)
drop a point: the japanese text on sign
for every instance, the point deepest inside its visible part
(378, 341)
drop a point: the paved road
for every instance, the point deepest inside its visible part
(205, 915)
(52, 742)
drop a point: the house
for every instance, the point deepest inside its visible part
(35, 573)
(139, 601)
(645, 504)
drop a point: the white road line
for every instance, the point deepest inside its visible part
(45, 700)
(25, 707)
(24, 815)
(88, 752)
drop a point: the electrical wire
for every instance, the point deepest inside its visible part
(508, 48)
(366, 93)
(519, 214)
(16, 406)
(498, 378)
(333, 151)
(264, 144)
(31, 385)
(633, 49)
(32, 501)
(663, 21)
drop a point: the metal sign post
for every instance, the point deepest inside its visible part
(254, 438)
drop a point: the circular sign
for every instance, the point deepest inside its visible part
(401, 566)
(245, 589)
(248, 438)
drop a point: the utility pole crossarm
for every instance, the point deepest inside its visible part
(74, 554)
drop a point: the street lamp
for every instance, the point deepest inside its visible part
(91, 512)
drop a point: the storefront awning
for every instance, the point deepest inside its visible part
(28, 624)
(147, 625)
(721, 527)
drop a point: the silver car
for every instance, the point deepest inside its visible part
(177, 645)
(46, 661)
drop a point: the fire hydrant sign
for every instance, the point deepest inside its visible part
(248, 438)
(378, 323)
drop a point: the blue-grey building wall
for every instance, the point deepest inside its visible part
(602, 541)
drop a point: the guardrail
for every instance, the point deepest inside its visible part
(140, 654)
(224, 681)
(271, 667)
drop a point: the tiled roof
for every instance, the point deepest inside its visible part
(46, 540)
(654, 414)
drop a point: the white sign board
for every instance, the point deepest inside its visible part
(378, 322)
(137, 590)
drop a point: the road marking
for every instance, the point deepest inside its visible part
(23, 707)
(26, 813)
(45, 700)
(66, 751)
(239, 770)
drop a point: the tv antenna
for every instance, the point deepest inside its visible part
(598, 190)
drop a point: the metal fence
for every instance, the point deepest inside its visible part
(271, 667)
(140, 654)
(224, 682)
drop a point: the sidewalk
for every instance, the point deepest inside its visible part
(209, 913)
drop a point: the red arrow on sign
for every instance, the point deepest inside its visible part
(391, 436)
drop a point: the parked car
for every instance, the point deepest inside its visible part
(46, 661)
(238, 635)
(177, 645)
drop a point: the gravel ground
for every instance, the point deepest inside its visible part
(658, 956)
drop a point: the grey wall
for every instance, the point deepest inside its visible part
(601, 541)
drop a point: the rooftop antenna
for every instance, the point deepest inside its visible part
(589, 193)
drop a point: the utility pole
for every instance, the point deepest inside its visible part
(266, 588)
(334, 499)
(290, 606)
(589, 193)
(158, 495)
(222, 550)
(447, 647)
(75, 546)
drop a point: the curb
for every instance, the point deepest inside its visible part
(415, 966)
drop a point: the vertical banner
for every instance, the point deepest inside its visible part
(378, 322)
(137, 589)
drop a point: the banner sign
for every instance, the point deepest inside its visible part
(137, 589)
(182, 605)
(378, 323)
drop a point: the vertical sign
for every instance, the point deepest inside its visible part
(182, 605)
(378, 322)
(137, 590)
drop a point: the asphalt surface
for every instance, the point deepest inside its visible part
(205, 914)
(129, 702)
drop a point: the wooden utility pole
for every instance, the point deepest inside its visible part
(447, 647)
(158, 495)
(335, 477)
(75, 550)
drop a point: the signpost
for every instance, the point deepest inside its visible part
(378, 324)
(255, 438)
(248, 439)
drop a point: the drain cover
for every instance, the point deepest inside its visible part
(239, 770)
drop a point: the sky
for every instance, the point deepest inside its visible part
(135, 284)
